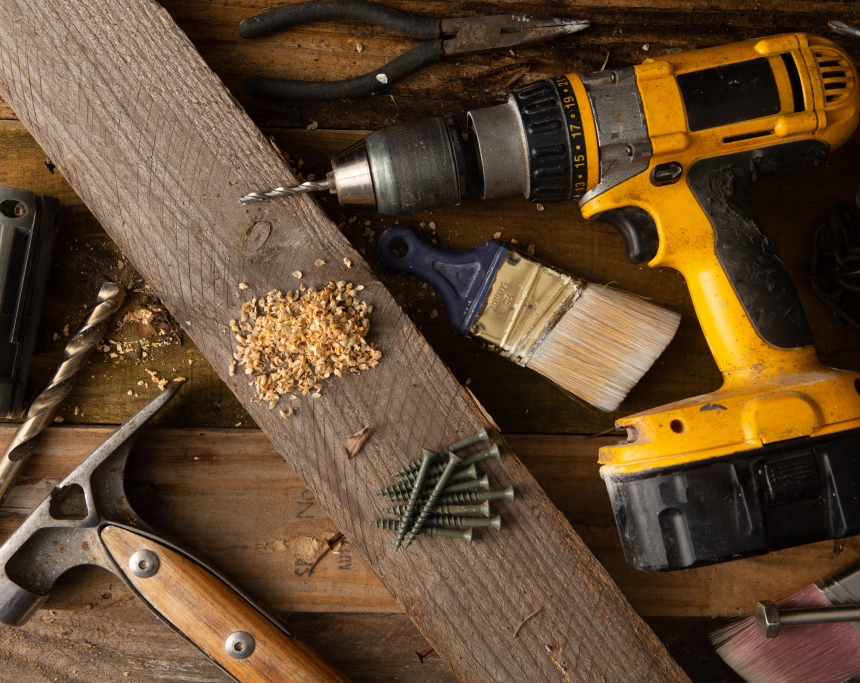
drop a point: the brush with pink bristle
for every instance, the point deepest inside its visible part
(807, 653)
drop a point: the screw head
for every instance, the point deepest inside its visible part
(143, 564)
(239, 645)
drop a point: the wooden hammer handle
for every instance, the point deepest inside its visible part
(207, 611)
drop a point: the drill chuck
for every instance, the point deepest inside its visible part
(401, 169)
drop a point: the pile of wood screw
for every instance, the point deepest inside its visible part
(434, 503)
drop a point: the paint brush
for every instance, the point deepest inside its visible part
(807, 653)
(595, 342)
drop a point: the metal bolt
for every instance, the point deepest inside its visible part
(239, 645)
(470, 472)
(453, 462)
(482, 435)
(450, 520)
(439, 467)
(479, 509)
(143, 564)
(417, 486)
(482, 483)
(393, 525)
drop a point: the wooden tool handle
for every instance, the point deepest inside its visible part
(208, 612)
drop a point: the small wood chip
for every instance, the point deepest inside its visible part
(243, 285)
(59, 418)
(497, 235)
(77, 410)
(514, 241)
(434, 314)
(347, 263)
(297, 274)
(179, 379)
(356, 442)
(359, 47)
(319, 262)
(287, 414)
(523, 622)
(66, 331)
(313, 125)
(531, 250)
(539, 207)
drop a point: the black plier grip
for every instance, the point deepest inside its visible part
(445, 36)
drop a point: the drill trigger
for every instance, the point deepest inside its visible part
(638, 230)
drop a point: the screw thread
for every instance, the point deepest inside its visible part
(453, 462)
(482, 483)
(451, 520)
(394, 525)
(475, 458)
(413, 497)
(414, 466)
(469, 473)
(479, 509)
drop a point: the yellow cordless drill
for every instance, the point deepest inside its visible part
(664, 152)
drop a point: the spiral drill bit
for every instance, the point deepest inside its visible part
(46, 404)
(310, 186)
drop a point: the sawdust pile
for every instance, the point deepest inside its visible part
(296, 340)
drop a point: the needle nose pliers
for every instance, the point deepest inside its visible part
(460, 36)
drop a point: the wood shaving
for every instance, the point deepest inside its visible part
(356, 442)
(294, 341)
(59, 418)
(359, 47)
(531, 250)
(319, 262)
(347, 263)
(297, 274)
(243, 285)
(497, 235)
(313, 125)
(287, 414)
(77, 410)
(434, 314)
(66, 331)
(539, 207)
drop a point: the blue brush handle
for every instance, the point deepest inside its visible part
(461, 278)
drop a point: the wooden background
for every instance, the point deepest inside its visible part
(92, 630)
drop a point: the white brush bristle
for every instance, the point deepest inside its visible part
(812, 653)
(603, 345)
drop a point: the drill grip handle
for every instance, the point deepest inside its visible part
(748, 258)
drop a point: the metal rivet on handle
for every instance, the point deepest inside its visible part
(143, 564)
(239, 645)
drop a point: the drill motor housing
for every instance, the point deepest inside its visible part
(664, 152)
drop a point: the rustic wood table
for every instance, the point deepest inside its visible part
(206, 474)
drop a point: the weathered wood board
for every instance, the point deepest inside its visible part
(148, 137)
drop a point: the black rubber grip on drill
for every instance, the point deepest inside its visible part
(401, 67)
(749, 259)
(299, 14)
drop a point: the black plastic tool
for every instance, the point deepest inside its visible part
(28, 229)
(467, 35)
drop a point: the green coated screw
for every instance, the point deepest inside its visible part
(417, 486)
(479, 509)
(438, 468)
(471, 472)
(482, 483)
(453, 462)
(450, 520)
(393, 524)
(475, 496)
(475, 438)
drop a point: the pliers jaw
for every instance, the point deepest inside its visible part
(476, 35)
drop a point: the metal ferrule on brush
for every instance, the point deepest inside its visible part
(524, 300)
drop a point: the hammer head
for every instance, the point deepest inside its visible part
(63, 531)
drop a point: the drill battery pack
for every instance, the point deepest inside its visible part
(28, 230)
(777, 496)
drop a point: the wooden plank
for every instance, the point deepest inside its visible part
(86, 255)
(149, 138)
(190, 481)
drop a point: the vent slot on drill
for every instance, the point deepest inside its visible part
(837, 77)
(747, 136)
(794, 80)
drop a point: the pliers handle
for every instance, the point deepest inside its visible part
(467, 36)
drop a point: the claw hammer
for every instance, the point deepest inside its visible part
(87, 519)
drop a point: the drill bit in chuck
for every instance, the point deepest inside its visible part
(310, 186)
(46, 404)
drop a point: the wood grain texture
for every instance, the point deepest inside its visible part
(207, 611)
(190, 482)
(156, 147)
